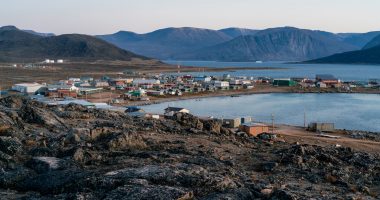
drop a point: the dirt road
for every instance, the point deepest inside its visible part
(293, 134)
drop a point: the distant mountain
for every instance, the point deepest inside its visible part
(373, 43)
(164, 43)
(365, 56)
(277, 44)
(236, 32)
(20, 46)
(358, 39)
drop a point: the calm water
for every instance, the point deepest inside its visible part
(344, 72)
(347, 111)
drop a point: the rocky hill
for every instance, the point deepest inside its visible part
(365, 56)
(20, 46)
(74, 152)
(278, 44)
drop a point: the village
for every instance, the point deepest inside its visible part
(126, 92)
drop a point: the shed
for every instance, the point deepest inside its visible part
(245, 120)
(29, 88)
(231, 123)
(254, 129)
(323, 127)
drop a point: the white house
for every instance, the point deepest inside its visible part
(29, 88)
(145, 81)
(74, 79)
(202, 79)
(221, 84)
(70, 88)
(321, 85)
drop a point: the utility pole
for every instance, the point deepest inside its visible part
(272, 123)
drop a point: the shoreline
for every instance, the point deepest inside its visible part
(272, 90)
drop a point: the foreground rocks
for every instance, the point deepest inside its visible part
(72, 152)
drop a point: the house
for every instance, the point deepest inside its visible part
(136, 94)
(28, 88)
(120, 81)
(226, 76)
(284, 82)
(202, 79)
(254, 129)
(155, 93)
(328, 79)
(323, 127)
(100, 84)
(321, 85)
(222, 84)
(86, 79)
(74, 79)
(248, 87)
(245, 120)
(145, 82)
(231, 123)
(263, 80)
(170, 111)
(87, 91)
(62, 91)
(299, 79)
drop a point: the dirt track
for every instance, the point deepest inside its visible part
(293, 134)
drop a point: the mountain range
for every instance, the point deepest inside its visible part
(230, 44)
(277, 44)
(164, 43)
(237, 44)
(23, 46)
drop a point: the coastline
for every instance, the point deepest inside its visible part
(257, 90)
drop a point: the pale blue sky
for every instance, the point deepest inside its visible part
(108, 16)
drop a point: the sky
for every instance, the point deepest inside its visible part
(141, 16)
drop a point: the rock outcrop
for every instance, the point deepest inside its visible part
(74, 152)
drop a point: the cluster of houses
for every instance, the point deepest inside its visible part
(136, 88)
(160, 85)
(323, 81)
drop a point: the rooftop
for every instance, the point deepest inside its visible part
(254, 124)
(325, 77)
(28, 84)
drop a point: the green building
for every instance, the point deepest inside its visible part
(284, 82)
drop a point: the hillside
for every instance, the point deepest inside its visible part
(278, 44)
(358, 39)
(76, 152)
(164, 43)
(19, 46)
(373, 43)
(365, 56)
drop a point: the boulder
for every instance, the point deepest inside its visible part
(214, 126)
(46, 164)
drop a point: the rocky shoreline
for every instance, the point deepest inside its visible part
(73, 152)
